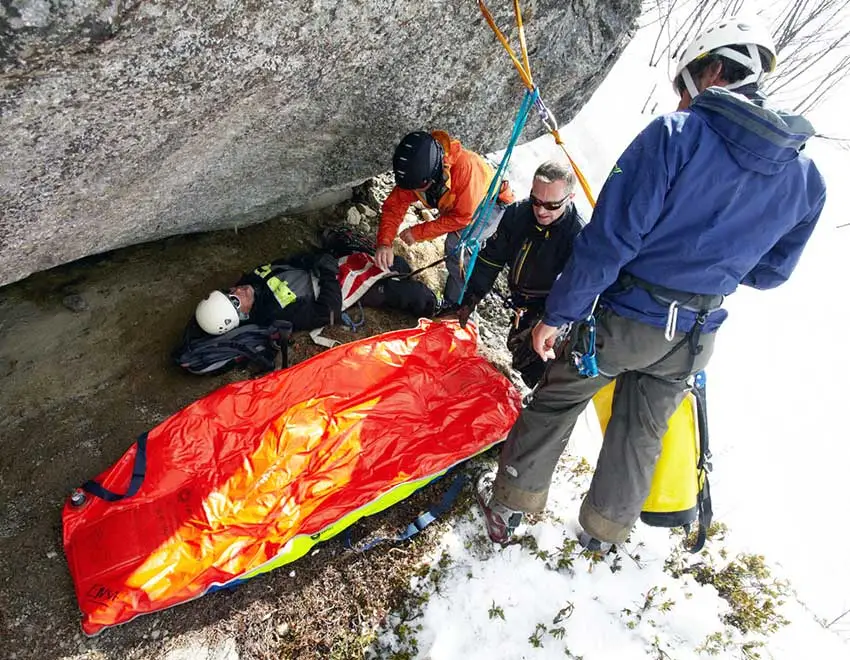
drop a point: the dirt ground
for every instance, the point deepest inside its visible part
(85, 367)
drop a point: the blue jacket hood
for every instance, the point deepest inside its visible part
(701, 201)
(759, 138)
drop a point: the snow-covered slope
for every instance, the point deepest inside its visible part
(777, 389)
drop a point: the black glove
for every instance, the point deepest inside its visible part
(464, 312)
(522, 350)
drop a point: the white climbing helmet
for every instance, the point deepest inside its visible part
(734, 31)
(216, 314)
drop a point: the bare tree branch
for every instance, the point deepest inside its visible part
(811, 43)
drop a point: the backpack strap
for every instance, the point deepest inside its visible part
(254, 357)
(250, 342)
(704, 508)
(136, 480)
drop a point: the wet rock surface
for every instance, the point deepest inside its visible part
(84, 357)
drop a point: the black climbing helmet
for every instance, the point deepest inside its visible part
(417, 161)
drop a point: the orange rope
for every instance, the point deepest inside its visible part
(524, 70)
(523, 74)
(522, 46)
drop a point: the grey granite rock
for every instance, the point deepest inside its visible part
(123, 122)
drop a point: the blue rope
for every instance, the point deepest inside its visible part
(470, 238)
(349, 322)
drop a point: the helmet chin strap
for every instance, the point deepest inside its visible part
(689, 83)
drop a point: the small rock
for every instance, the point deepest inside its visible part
(155, 634)
(52, 555)
(353, 216)
(291, 573)
(367, 211)
(75, 303)
(282, 629)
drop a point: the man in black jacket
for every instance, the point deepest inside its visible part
(535, 238)
(302, 289)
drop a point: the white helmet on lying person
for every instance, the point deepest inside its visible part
(217, 313)
(743, 46)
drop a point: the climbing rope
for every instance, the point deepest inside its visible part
(524, 69)
(470, 238)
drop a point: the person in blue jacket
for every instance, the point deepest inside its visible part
(716, 194)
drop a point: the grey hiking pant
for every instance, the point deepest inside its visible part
(645, 396)
(454, 283)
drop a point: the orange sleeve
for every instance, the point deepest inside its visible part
(470, 179)
(392, 214)
(506, 195)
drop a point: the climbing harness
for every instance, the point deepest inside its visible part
(703, 305)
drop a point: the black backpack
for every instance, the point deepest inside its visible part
(342, 241)
(200, 353)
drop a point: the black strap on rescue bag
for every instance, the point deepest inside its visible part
(138, 476)
(419, 523)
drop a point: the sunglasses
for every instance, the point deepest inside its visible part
(549, 206)
(234, 300)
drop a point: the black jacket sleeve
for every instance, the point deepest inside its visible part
(326, 309)
(494, 256)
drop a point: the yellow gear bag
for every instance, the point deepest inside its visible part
(679, 493)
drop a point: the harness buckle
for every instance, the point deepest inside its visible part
(519, 312)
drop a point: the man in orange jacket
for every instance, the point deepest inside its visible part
(436, 170)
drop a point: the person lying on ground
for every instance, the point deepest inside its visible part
(311, 291)
(302, 289)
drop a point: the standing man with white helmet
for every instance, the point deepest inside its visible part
(711, 196)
